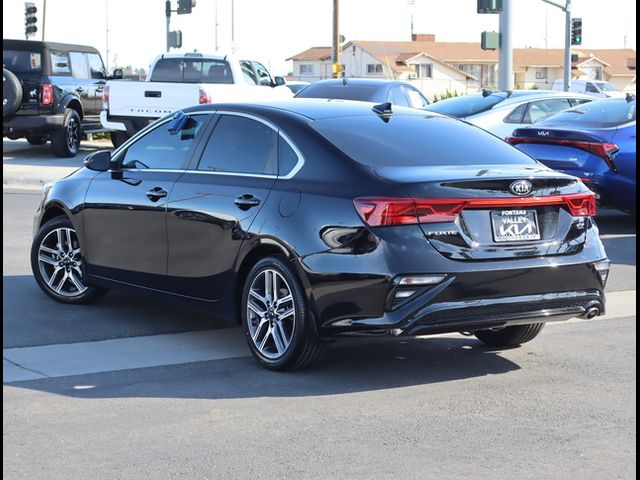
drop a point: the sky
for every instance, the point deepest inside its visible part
(271, 31)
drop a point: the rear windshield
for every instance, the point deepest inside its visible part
(467, 105)
(606, 86)
(415, 140)
(186, 70)
(605, 113)
(22, 61)
(361, 93)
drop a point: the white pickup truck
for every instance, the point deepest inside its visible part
(177, 81)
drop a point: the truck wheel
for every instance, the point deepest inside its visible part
(36, 139)
(118, 138)
(65, 141)
(11, 94)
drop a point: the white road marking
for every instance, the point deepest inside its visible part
(31, 363)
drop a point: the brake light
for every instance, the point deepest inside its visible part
(380, 212)
(105, 97)
(46, 96)
(602, 150)
(204, 97)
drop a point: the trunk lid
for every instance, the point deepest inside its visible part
(493, 222)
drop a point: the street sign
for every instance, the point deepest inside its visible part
(490, 41)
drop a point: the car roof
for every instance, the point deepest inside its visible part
(39, 45)
(310, 108)
(346, 82)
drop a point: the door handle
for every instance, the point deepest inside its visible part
(156, 194)
(246, 201)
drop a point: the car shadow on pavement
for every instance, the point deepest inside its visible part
(615, 222)
(21, 153)
(31, 318)
(621, 250)
(355, 368)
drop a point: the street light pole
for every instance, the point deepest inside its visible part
(505, 78)
(167, 9)
(566, 8)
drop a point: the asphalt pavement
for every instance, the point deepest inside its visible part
(133, 388)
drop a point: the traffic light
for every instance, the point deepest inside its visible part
(489, 6)
(30, 19)
(175, 39)
(185, 6)
(576, 31)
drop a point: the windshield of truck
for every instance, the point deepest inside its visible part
(188, 70)
(22, 61)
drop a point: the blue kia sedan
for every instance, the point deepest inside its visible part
(596, 142)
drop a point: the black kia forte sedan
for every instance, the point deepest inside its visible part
(310, 219)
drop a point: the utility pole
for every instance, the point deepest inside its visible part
(233, 28)
(505, 62)
(44, 17)
(411, 4)
(216, 25)
(106, 18)
(335, 52)
(167, 9)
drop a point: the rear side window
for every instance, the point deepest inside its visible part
(591, 88)
(517, 114)
(414, 140)
(416, 99)
(79, 66)
(21, 61)
(187, 70)
(598, 114)
(161, 149)
(541, 109)
(467, 105)
(60, 63)
(241, 145)
(397, 97)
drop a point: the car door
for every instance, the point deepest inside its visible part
(125, 209)
(212, 206)
(83, 82)
(98, 78)
(262, 74)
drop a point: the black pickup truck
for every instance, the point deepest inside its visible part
(51, 91)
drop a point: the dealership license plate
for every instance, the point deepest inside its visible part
(515, 225)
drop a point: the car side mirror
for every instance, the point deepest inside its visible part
(118, 74)
(98, 161)
(279, 81)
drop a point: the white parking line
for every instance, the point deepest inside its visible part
(30, 363)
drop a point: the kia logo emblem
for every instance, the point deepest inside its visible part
(543, 133)
(521, 187)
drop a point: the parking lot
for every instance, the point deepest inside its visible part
(135, 388)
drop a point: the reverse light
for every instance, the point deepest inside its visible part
(46, 94)
(204, 97)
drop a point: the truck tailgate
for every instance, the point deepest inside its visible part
(150, 99)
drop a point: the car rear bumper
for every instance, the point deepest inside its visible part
(130, 125)
(468, 301)
(33, 123)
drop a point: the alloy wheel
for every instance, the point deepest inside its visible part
(60, 262)
(271, 313)
(73, 134)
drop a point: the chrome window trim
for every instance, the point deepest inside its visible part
(149, 128)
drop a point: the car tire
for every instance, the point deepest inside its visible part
(119, 137)
(510, 336)
(278, 326)
(36, 139)
(57, 264)
(65, 141)
(11, 94)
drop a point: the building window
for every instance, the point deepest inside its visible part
(424, 70)
(373, 68)
(306, 68)
(542, 73)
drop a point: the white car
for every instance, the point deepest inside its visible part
(501, 112)
(593, 88)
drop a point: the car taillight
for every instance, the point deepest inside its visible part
(46, 94)
(602, 150)
(380, 212)
(105, 96)
(204, 97)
